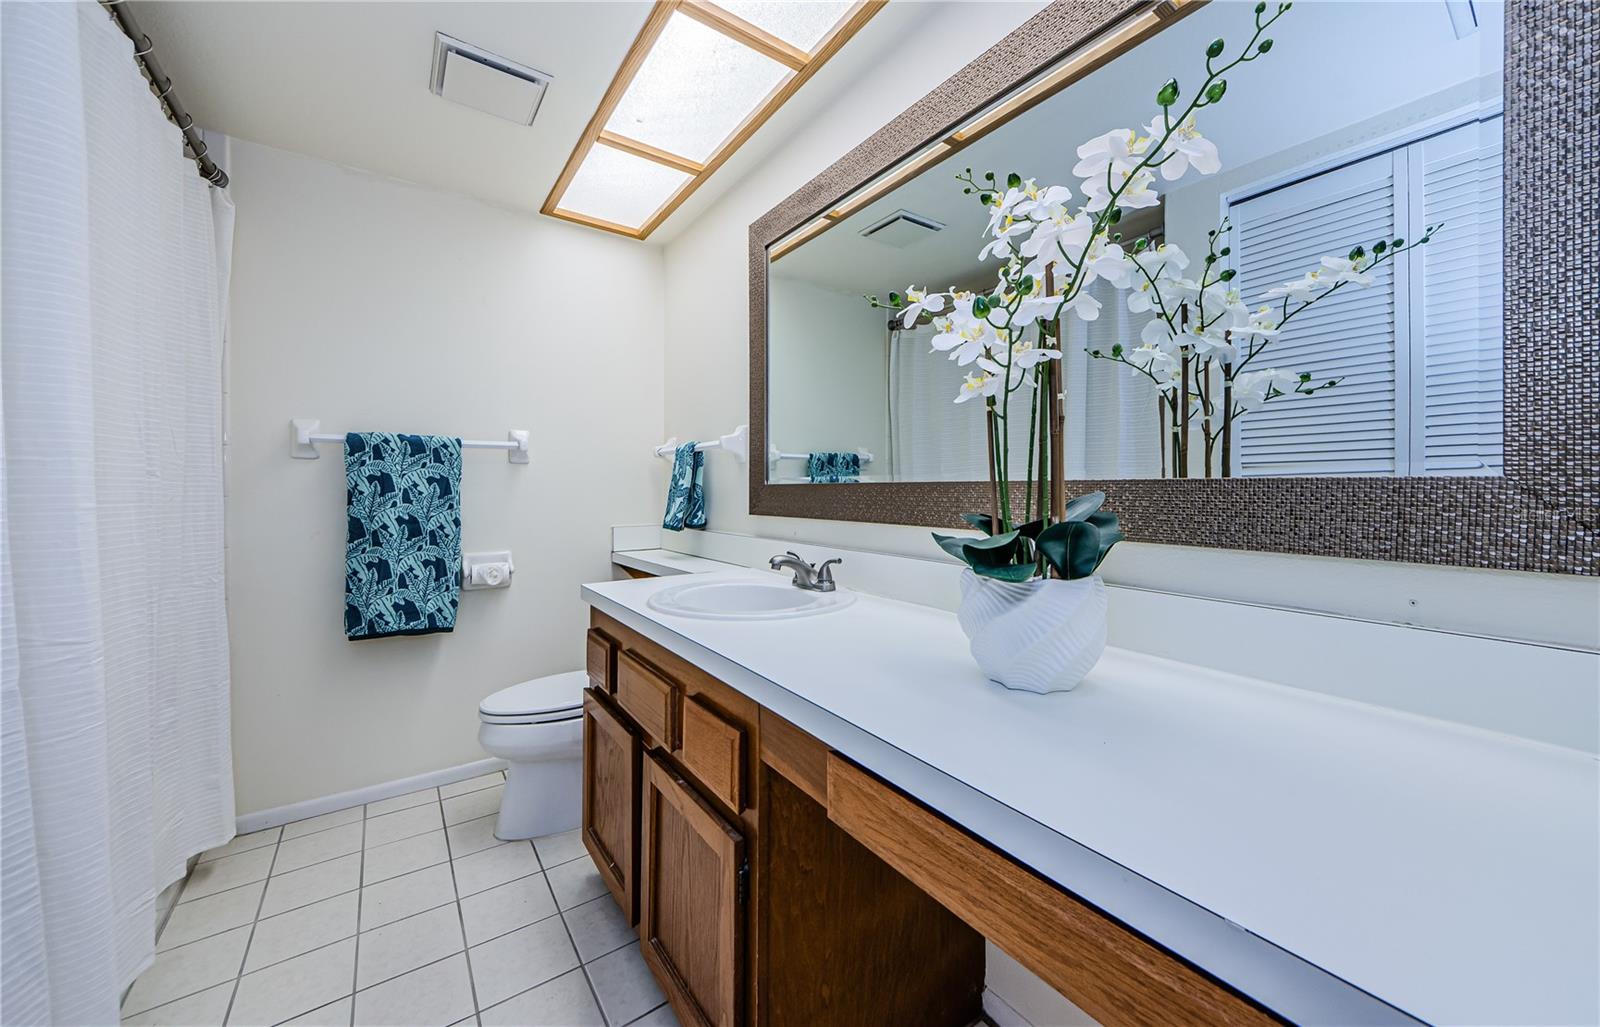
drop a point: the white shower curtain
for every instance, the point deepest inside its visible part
(114, 737)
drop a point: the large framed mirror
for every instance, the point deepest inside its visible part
(1440, 406)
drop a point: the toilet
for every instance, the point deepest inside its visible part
(537, 727)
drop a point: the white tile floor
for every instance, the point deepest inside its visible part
(404, 912)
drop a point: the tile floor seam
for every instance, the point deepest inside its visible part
(251, 937)
(183, 902)
(514, 930)
(361, 884)
(502, 884)
(461, 917)
(642, 1015)
(582, 966)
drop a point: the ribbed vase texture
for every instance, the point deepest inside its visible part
(1038, 636)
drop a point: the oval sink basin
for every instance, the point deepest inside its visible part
(745, 600)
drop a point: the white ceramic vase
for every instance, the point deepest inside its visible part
(1036, 636)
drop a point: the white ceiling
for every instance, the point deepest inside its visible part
(348, 82)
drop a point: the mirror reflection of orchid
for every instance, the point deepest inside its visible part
(1199, 346)
(1203, 348)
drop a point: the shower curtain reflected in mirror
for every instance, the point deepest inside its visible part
(1111, 419)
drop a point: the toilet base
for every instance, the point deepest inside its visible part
(541, 798)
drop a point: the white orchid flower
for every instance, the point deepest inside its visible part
(1344, 269)
(1084, 305)
(1156, 333)
(1136, 191)
(920, 301)
(1157, 361)
(1185, 148)
(1210, 343)
(1025, 355)
(1261, 323)
(1061, 232)
(1121, 148)
(964, 345)
(1254, 388)
(1109, 261)
(1002, 244)
(985, 385)
(1163, 261)
(1300, 288)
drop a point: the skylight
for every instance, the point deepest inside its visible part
(698, 81)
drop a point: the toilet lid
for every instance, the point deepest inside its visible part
(556, 694)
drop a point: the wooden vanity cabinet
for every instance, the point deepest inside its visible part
(811, 930)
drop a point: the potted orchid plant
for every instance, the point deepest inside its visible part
(1032, 605)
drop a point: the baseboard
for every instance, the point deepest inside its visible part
(999, 1012)
(280, 815)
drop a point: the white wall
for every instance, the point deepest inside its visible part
(372, 304)
(827, 373)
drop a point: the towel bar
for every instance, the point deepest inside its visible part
(737, 443)
(774, 454)
(304, 438)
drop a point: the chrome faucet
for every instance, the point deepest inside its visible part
(812, 579)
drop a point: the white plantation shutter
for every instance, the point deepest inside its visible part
(1420, 351)
(1351, 428)
(1462, 317)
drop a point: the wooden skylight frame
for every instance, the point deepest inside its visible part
(801, 65)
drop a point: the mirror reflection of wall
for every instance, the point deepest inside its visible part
(1370, 120)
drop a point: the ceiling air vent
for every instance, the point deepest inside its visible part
(901, 229)
(486, 82)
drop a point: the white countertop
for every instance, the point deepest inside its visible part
(1450, 872)
(665, 562)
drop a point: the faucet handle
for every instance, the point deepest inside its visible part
(825, 571)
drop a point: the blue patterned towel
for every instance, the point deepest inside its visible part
(686, 492)
(830, 468)
(403, 548)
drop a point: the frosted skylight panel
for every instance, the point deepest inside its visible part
(800, 23)
(693, 90)
(618, 187)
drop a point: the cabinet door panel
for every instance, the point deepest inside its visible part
(611, 769)
(691, 913)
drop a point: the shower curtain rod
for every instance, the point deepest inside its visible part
(161, 85)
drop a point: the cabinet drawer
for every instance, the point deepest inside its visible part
(602, 661)
(713, 751)
(649, 698)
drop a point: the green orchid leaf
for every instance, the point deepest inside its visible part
(1031, 529)
(994, 551)
(983, 522)
(1110, 532)
(1080, 508)
(955, 545)
(1072, 548)
(1015, 572)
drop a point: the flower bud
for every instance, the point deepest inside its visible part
(1216, 48)
(1216, 89)
(1168, 94)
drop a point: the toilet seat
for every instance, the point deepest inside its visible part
(546, 700)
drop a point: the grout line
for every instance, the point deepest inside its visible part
(361, 885)
(644, 1014)
(582, 967)
(461, 919)
(252, 936)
